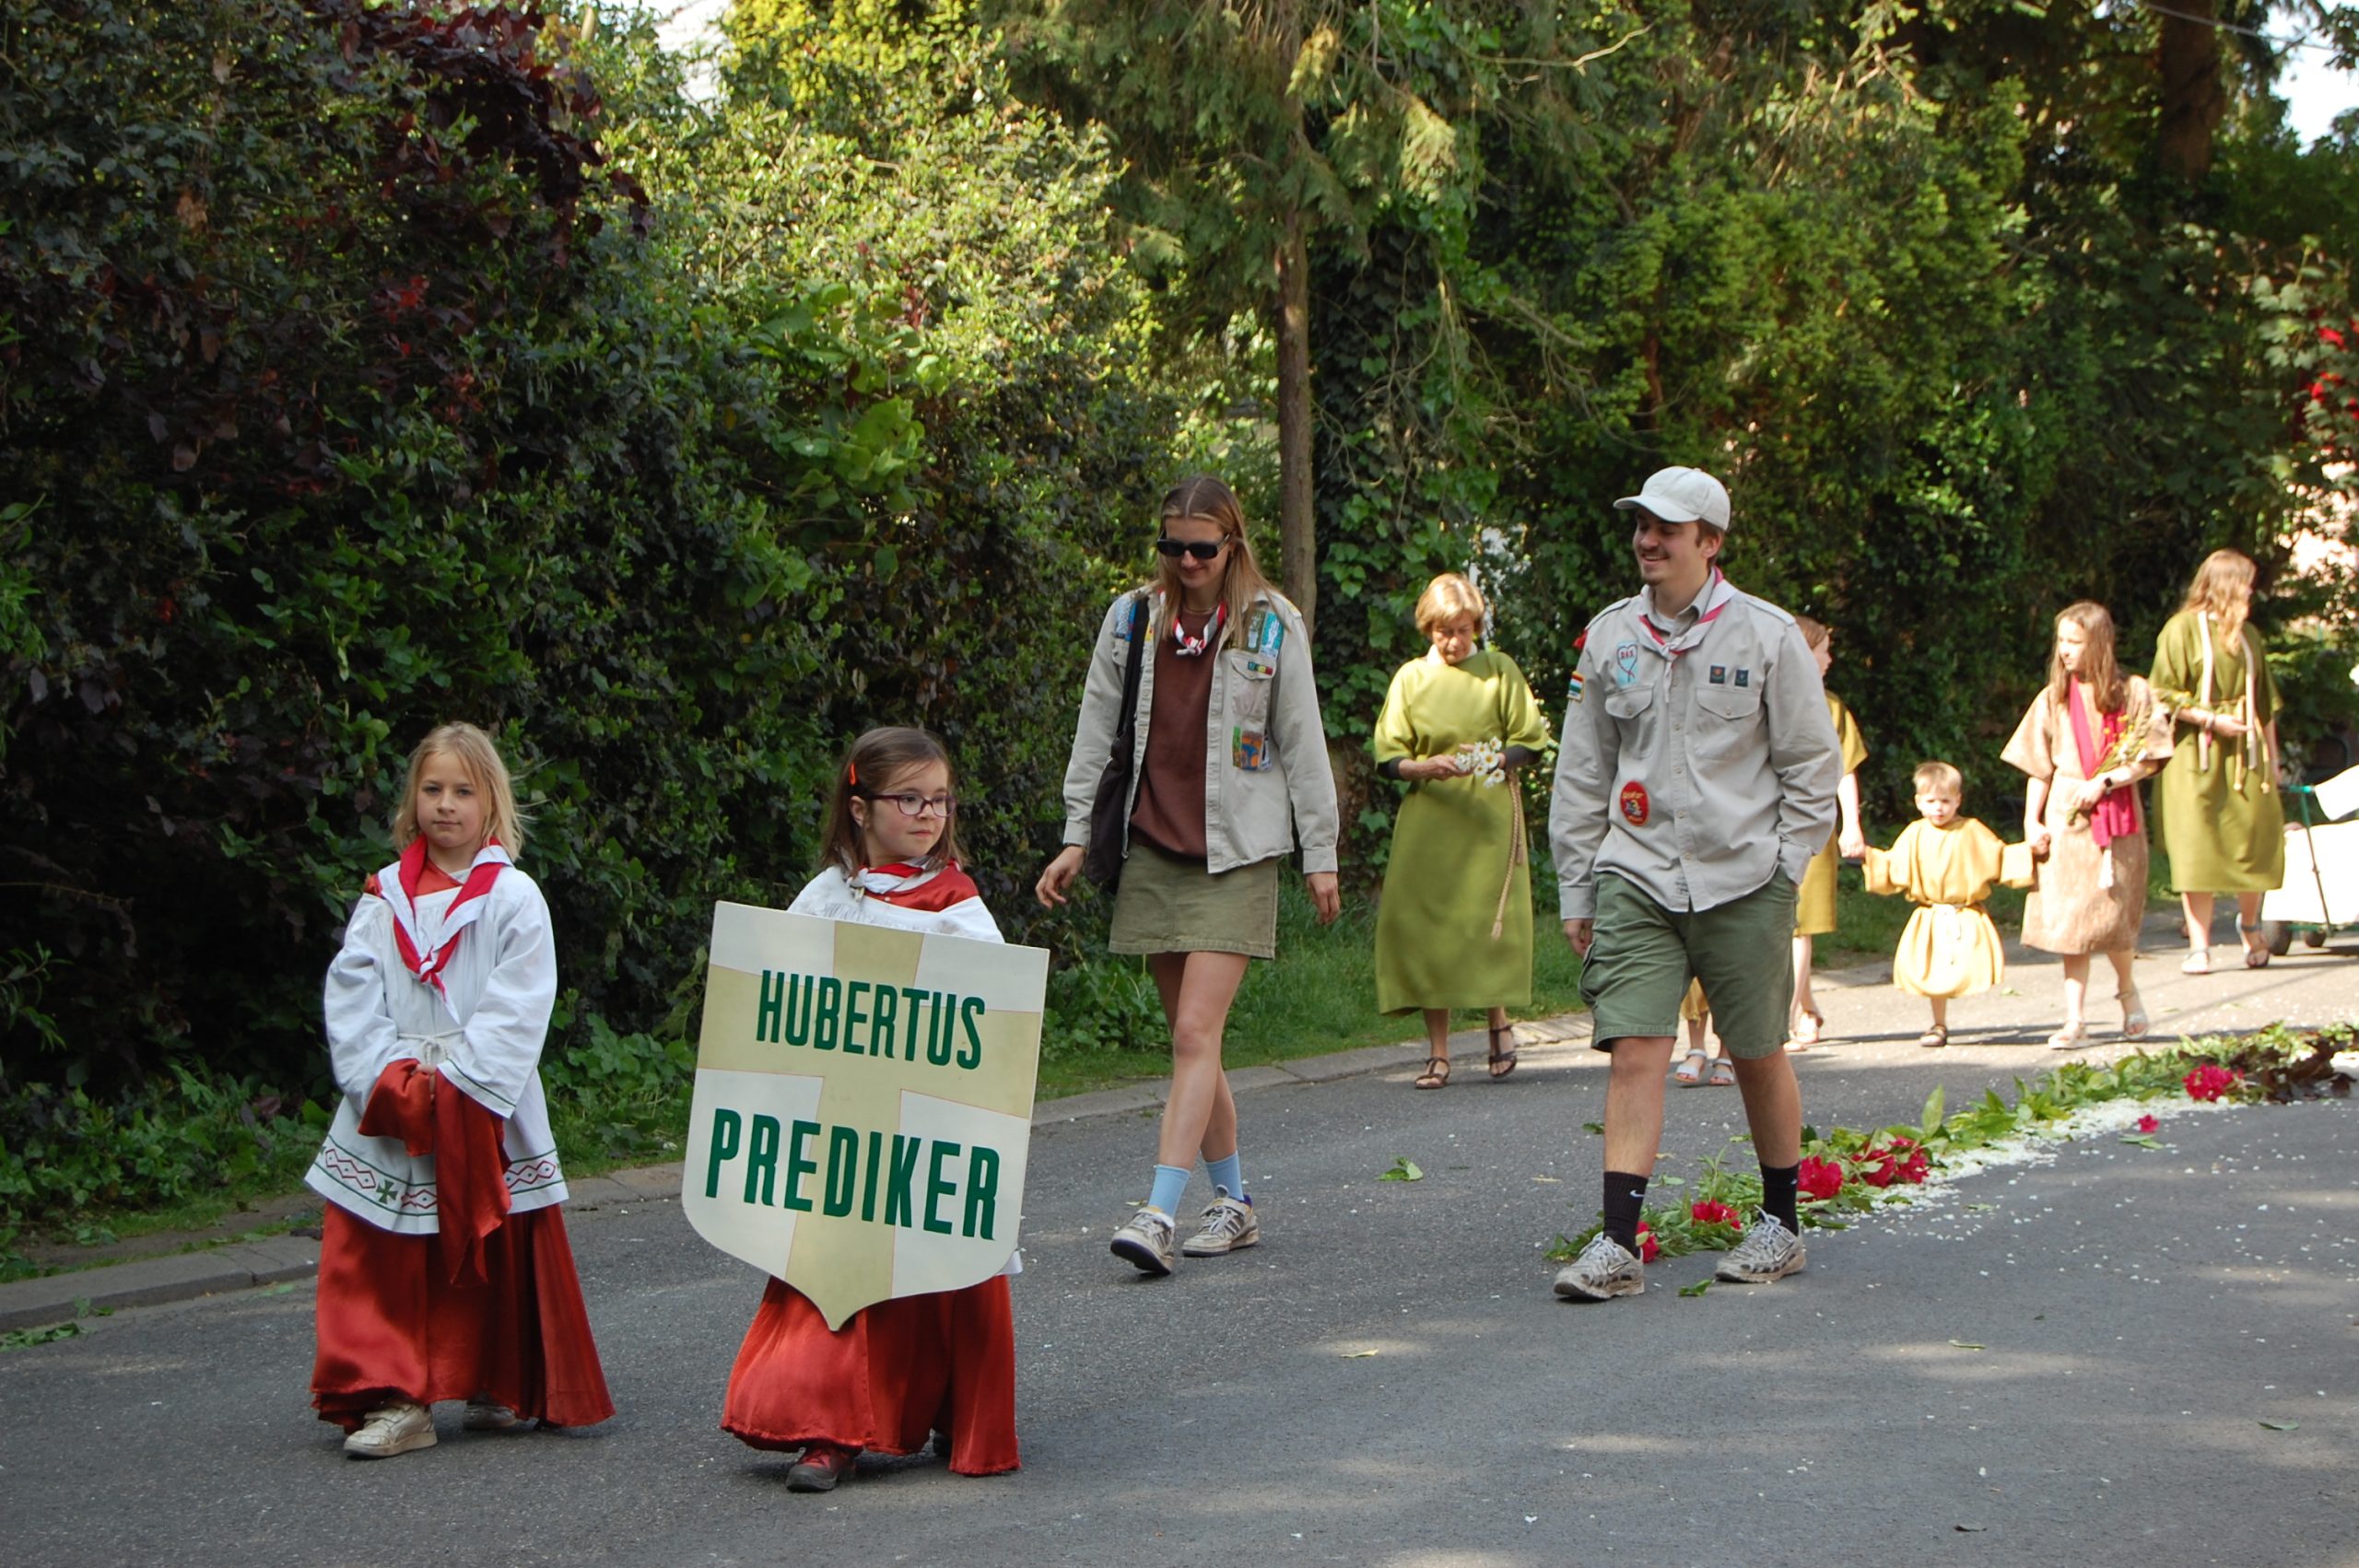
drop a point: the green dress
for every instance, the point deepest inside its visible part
(2215, 804)
(1454, 842)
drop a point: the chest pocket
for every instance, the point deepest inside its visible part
(1727, 719)
(1635, 716)
(1251, 676)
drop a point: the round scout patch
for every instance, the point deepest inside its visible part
(1635, 805)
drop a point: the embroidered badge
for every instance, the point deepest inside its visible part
(1573, 687)
(1626, 664)
(1635, 804)
(1258, 668)
(1265, 632)
(1248, 750)
(1745, 677)
(1719, 676)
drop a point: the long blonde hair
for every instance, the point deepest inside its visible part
(1207, 499)
(2223, 587)
(472, 750)
(2099, 670)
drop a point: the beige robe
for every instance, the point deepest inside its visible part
(1949, 948)
(2076, 906)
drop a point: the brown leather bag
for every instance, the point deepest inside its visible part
(1109, 829)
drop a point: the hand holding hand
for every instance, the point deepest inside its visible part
(1852, 846)
(2036, 833)
(1051, 888)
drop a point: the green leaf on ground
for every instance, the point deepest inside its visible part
(2283, 1425)
(1598, 1128)
(1698, 1288)
(2144, 1139)
(25, 1338)
(1404, 1169)
(1969, 1345)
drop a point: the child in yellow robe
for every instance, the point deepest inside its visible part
(1945, 864)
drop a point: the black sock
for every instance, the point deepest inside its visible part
(1625, 1196)
(1779, 1184)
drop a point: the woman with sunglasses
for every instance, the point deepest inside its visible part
(1228, 770)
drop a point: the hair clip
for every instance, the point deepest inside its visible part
(852, 773)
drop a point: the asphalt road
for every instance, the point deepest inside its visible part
(2140, 1314)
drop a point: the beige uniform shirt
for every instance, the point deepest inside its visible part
(1695, 766)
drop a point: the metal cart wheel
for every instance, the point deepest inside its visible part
(2314, 939)
(2281, 938)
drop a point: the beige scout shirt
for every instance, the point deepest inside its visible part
(1692, 766)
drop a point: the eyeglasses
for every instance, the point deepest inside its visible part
(1203, 549)
(942, 806)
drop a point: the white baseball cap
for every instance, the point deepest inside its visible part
(1681, 495)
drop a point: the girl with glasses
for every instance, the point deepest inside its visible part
(942, 1363)
(1228, 770)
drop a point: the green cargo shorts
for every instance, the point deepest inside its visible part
(1644, 956)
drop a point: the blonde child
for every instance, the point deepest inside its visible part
(444, 1269)
(941, 1363)
(1815, 906)
(1944, 863)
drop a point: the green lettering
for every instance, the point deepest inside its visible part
(916, 999)
(843, 1168)
(888, 1004)
(971, 1054)
(797, 1168)
(853, 1016)
(896, 1186)
(982, 1189)
(727, 1128)
(773, 1007)
(938, 1038)
(761, 1161)
(936, 1188)
(868, 1184)
(798, 1009)
(831, 1002)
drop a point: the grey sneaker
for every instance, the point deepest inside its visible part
(1605, 1269)
(395, 1429)
(1228, 1224)
(484, 1415)
(1769, 1251)
(1144, 1241)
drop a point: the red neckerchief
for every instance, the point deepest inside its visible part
(398, 884)
(2116, 814)
(913, 887)
(1191, 646)
(1712, 613)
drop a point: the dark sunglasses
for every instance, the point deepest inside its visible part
(1203, 550)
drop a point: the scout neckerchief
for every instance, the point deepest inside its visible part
(397, 885)
(1193, 647)
(2254, 741)
(1715, 598)
(905, 886)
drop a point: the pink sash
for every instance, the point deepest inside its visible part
(2116, 813)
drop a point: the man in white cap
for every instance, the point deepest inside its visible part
(1694, 780)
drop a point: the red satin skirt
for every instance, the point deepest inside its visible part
(892, 1374)
(392, 1326)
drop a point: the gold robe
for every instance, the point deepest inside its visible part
(1949, 948)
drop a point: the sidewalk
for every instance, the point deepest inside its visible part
(1867, 1024)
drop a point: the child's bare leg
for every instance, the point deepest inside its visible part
(2076, 986)
(1802, 1002)
(2197, 908)
(1941, 1010)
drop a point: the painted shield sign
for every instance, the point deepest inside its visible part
(863, 1105)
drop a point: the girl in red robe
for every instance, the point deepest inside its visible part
(444, 1269)
(943, 1364)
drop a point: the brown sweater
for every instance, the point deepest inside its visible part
(1169, 811)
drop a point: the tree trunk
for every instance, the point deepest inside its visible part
(2193, 101)
(1298, 527)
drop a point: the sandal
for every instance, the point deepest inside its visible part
(2134, 1022)
(1723, 1073)
(2071, 1037)
(1935, 1037)
(2197, 962)
(1810, 1024)
(1690, 1072)
(1436, 1075)
(1502, 1061)
(2255, 957)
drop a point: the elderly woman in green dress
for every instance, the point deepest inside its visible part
(2223, 824)
(1454, 928)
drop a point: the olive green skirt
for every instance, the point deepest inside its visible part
(1167, 903)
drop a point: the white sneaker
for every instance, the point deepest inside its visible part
(1769, 1251)
(1605, 1269)
(1228, 1226)
(396, 1429)
(483, 1415)
(1144, 1241)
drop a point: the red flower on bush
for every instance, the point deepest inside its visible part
(2147, 1124)
(1820, 1179)
(1648, 1249)
(2211, 1081)
(1711, 1212)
